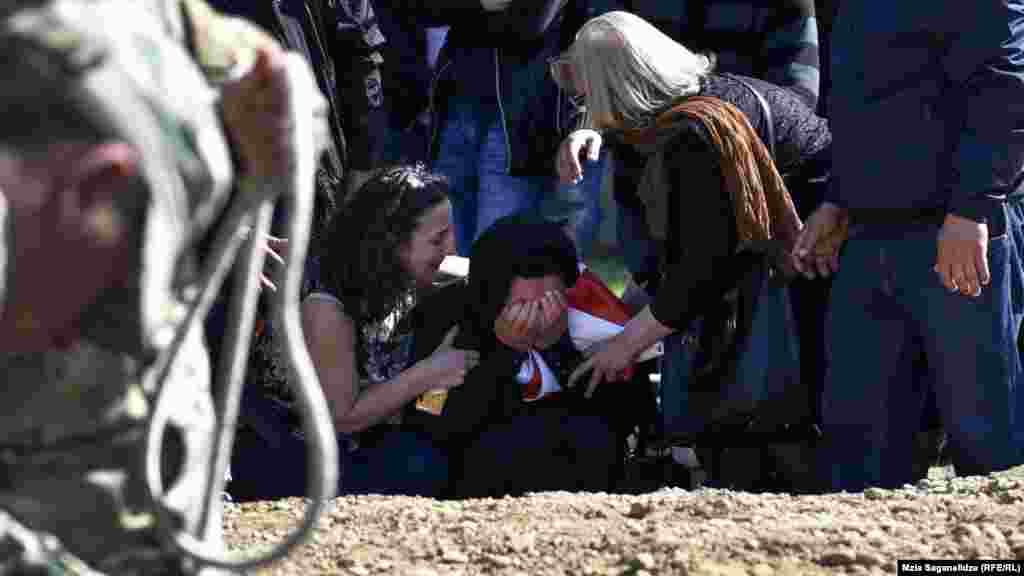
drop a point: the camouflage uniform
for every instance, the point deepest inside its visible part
(72, 420)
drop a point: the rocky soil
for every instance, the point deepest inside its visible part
(697, 533)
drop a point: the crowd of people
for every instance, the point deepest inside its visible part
(823, 246)
(818, 204)
(491, 135)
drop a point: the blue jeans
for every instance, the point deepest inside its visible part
(640, 251)
(889, 311)
(435, 40)
(766, 379)
(578, 206)
(473, 157)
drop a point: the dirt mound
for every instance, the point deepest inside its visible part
(704, 532)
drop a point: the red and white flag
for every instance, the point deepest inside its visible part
(595, 314)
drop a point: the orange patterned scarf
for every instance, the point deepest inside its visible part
(762, 204)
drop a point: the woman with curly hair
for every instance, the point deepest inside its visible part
(377, 256)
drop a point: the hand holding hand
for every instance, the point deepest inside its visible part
(962, 259)
(448, 365)
(570, 170)
(817, 247)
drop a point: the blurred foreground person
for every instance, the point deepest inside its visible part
(114, 162)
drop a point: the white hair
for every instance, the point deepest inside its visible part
(631, 70)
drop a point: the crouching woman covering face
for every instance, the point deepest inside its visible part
(379, 253)
(514, 426)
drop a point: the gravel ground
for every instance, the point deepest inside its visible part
(697, 533)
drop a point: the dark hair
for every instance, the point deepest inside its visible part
(518, 246)
(359, 261)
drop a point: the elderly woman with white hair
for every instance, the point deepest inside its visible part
(721, 153)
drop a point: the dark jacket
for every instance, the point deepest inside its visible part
(306, 27)
(357, 45)
(774, 40)
(534, 113)
(743, 361)
(406, 73)
(699, 263)
(515, 246)
(928, 106)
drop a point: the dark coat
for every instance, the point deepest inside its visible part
(944, 88)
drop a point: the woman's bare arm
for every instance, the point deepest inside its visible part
(331, 339)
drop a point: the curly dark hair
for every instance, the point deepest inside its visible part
(359, 260)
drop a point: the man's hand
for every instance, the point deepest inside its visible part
(570, 170)
(255, 109)
(962, 259)
(555, 318)
(516, 323)
(817, 247)
(533, 324)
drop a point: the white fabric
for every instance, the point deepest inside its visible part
(587, 330)
(456, 266)
(548, 382)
